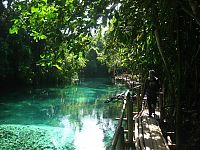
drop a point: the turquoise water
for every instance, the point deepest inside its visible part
(73, 117)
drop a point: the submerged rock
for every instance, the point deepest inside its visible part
(32, 137)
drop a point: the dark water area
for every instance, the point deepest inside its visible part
(70, 117)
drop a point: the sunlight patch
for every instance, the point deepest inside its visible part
(90, 137)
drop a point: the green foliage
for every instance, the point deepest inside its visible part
(59, 33)
(160, 35)
(129, 39)
(51, 39)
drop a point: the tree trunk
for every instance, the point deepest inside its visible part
(166, 66)
(178, 103)
(169, 76)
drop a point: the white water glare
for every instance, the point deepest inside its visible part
(90, 137)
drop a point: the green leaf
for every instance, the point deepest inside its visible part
(42, 56)
(13, 30)
(43, 65)
(58, 67)
(34, 10)
(42, 37)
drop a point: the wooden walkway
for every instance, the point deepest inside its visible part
(143, 131)
(148, 135)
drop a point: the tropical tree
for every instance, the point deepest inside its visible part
(162, 35)
(50, 39)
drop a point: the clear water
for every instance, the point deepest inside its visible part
(73, 117)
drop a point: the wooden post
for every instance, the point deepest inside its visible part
(139, 102)
(161, 105)
(119, 130)
(120, 141)
(129, 117)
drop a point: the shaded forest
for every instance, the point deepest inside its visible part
(44, 41)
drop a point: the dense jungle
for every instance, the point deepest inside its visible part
(51, 42)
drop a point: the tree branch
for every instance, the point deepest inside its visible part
(192, 14)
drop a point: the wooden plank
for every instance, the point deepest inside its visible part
(147, 134)
(125, 119)
(152, 125)
(157, 136)
(126, 131)
(169, 141)
(135, 113)
(137, 145)
(137, 124)
(141, 137)
(151, 137)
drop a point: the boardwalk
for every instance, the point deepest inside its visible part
(148, 135)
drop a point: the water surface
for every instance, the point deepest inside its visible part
(73, 117)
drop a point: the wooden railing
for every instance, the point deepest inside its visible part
(118, 141)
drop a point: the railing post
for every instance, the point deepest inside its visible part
(161, 105)
(118, 138)
(120, 141)
(130, 117)
(139, 102)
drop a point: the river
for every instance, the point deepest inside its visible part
(73, 117)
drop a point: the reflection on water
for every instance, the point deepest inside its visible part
(91, 135)
(76, 114)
